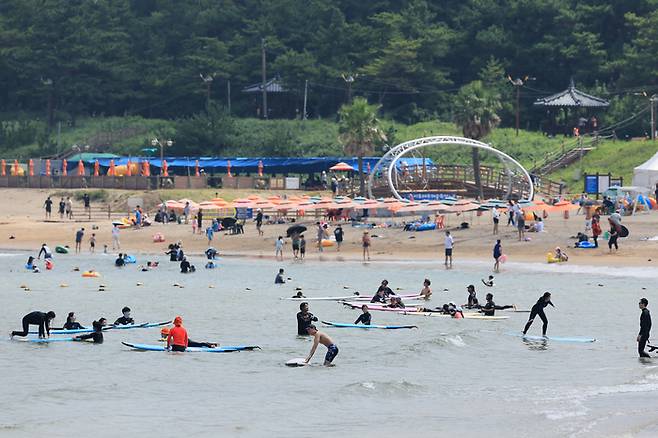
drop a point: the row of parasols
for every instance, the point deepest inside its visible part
(313, 203)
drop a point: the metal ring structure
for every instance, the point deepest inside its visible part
(394, 154)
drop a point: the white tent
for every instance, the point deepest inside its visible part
(646, 174)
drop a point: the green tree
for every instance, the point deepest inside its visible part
(360, 132)
(475, 112)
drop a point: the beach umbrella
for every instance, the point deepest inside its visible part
(260, 167)
(112, 170)
(97, 168)
(462, 206)
(207, 205)
(64, 166)
(30, 167)
(228, 168)
(253, 197)
(81, 168)
(243, 203)
(165, 168)
(295, 229)
(341, 167)
(47, 167)
(563, 206)
(3, 167)
(129, 171)
(173, 205)
(196, 168)
(367, 204)
(285, 205)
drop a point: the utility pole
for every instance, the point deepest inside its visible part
(207, 80)
(349, 80)
(305, 98)
(518, 83)
(264, 76)
(652, 101)
(228, 93)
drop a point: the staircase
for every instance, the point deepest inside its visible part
(561, 161)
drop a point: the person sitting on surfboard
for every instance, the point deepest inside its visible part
(472, 301)
(396, 303)
(40, 319)
(125, 319)
(489, 308)
(71, 323)
(365, 318)
(304, 319)
(96, 335)
(538, 309)
(426, 292)
(385, 289)
(321, 338)
(177, 339)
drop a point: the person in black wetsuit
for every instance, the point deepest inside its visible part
(211, 253)
(186, 267)
(172, 253)
(538, 310)
(125, 319)
(645, 328)
(379, 297)
(489, 308)
(36, 318)
(279, 277)
(96, 335)
(365, 318)
(304, 319)
(45, 251)
(71, 323)
(385, 289)
(472, 302)
(119, 262)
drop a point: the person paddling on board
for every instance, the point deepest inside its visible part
(41, 319)
(538, 310)
(304, 319)
(645, 328)
(472, 302)
(321, 338)
(489, 308)
(365, 318)
(125, 319)
(96, 335)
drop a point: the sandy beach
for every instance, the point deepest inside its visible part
(23, 218)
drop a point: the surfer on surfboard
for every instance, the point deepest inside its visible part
(96, 335)
(365, 318)
(324, 339)
(538, 310)
(41, 319)
(489, 308)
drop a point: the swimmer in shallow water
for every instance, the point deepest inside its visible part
(489, 282)
(365, 318)
(125, 319)
(426, 292)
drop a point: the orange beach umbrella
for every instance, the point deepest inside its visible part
(81, 168)
(97, 168)
(64, 166)
(341, 167)
(129, 171)
(3, 167)
(112, 170)
(47, 167)
(165, 168)
(30, 167)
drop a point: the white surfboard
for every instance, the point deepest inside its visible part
(297, 362)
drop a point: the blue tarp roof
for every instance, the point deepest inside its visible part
(270, 165)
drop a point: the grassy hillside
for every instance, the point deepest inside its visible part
(616, 157)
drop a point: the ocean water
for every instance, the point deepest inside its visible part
(446, 377)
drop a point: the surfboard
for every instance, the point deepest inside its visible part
(46, 340)
(221, 349)
(297, 362)
(553, 338)
(348, 298)
(362, 326)
(380, 307)
(466, 315)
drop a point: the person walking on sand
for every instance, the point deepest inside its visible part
(612, 240)
(365, 242)
(92, 243)
(278, 248)
(448, 243)
(69, 208)
(497, 253)
(338, 233)
(645, 328)
(324, 339)
(511, 212)
(78, 239)
(210, 233)
(186, 211)
(495, 214)
(520, 224)
(259, 222)
(115, 237)
(302, 247)
(596, 229)
(199, 221)
(320, 236)
(62, 208)
(48, 205)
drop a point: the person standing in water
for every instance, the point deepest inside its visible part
(78, 240)
(365, 318)
(304, 319)
(645, 328)
(40, 319)
(126, 319)
(497, 253)
(538, 310)
(448, 243)
(489, 308)
(324, 339)
(426, 292)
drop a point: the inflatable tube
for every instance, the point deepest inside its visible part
(91, 274)
(327, 242)
(158, 238)
(586, 245)
(426, 227)
(551, 259)
(49, 264)
(502, 258)
(59, 249)
(129, 259)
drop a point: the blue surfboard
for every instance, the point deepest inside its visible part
(362, 326)
(222, 349)
(553, 338)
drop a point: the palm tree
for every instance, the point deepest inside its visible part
(359, 131)
(475, 111)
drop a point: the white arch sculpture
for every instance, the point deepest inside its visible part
(390, 158)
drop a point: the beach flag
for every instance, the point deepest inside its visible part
(165, 168)
(3, 168)
(47, 167)
(64, 166)
(111, 170)
(97, 168)
(228, 168)
(196, 168)
(81, 168)
(146, 168)
(260, 167)
(30, 167)
(129, 171)
(15, 167)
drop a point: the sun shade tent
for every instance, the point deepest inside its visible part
(342, 167)
(646, 174)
